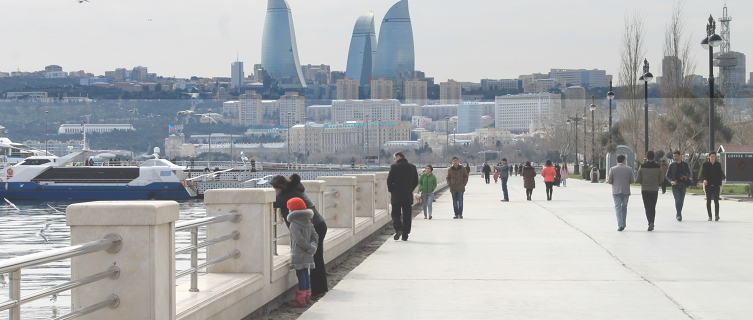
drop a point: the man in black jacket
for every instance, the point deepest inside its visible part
(680, 176)
(486, 170)
(712, 176)
(401, 181)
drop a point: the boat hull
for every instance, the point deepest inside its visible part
(34, 191)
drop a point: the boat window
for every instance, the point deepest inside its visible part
(34, 162)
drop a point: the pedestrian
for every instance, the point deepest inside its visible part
(516, 169)
(504, 170)
(620, 177)
(427, 182)
(712, 176)
(528, 173)
(558, 176)
(650, 177)
(287, 189)
(496, 173)
(467, 168)
(457, 178)
(679, 176)
(565, 173)
(401, 181)
(487, 170)
(664, 183)
(549, 175)
(303, 246)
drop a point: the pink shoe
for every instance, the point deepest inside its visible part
(308, 296)
(300, 300)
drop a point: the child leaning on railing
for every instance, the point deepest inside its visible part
(303, 245)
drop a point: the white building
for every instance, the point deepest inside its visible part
(89, 128)
(420, 121)
(516, 113)
(353, 110)
(469, 117)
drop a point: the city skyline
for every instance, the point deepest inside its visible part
(493, 40)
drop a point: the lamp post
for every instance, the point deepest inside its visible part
(709, 42)
(159, 120)
(610, 97)
(379, 143)
(45, 132)
(366, 138)
(646, 78)
(209, 156)
(130, 132)
(290, 126)
(447, 143)
(570, 120)
(594, 178)
(305, 139)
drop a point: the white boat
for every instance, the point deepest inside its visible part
(12, 153)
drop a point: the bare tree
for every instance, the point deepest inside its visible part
(631, 57)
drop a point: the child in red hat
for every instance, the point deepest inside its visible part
(303, 245)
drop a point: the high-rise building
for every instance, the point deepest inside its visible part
(737, 74)
(347, 89)
(139, 74)
(336, 75)
(671, 72)
(521, 112)
(381, 89)
(363, 46)
(236, 74)
(53, 68)
(313, 73)
(120, 74)
(575, 99)
(580, 77)
(395, 58)
(416, 92)
(469, 117)
(292, 108)
(450, 92)
(250, 109)
(528, 78)
(279, 52)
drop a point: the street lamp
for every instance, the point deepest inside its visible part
(379, 143)
(447, 143)
(209, 156)
(610, 97)
(45, 132)
(709, 42)
(289, 123)
(594, 178)
(305, 139)
(366, 138)
(130, 132)
(570, 120)
(646, 78)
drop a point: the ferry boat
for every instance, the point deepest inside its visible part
(12, 153)
(53, 178)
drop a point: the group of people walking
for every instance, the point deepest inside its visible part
(652, 175)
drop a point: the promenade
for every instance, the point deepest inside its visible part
(559, 259)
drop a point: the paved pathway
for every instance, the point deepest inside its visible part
(559, 259)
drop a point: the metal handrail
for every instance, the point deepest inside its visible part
(111, 243)
(235, 235)
(284, 235)
(112, 272)
(233, 216)
(333, 193)
(334, 205)
(235, 254)
(111, 302)
(331, 218)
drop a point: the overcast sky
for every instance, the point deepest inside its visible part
(465, 40)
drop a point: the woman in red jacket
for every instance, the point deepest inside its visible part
(548, 173)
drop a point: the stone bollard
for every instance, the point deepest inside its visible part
(364, 194)
(255, 242)
(381, 195)
(146, 284)
(340, 206)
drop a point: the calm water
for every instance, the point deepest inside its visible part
(18, 237)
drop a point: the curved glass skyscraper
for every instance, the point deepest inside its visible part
(279, 52)
(363, 47)
(394, 57)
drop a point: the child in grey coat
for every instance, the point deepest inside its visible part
(303, 245)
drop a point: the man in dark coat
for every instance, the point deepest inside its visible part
(401, 181)
(680, 176)
(712, 176)
(487, 170)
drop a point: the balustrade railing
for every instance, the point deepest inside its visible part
(193, 226)
(110, 244)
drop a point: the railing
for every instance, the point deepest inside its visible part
(193, 226)
(331, 194)
(110, 244)
(276, 222)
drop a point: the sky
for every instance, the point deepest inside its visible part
(463, 40)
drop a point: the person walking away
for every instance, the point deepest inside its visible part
(528, 173)
(516, 169)
(401, 181)
(427, 182)
(287, 189)
(564, 173)
(457, 178)
(558, 176)
(712, 176)
(679, 176)
(487, 170)
(549, 174)
(303, 245)
(467, 168)
(620, 177)
(504, 171)
(650, 177)
(664, 183)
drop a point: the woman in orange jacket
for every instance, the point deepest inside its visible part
(548, 173)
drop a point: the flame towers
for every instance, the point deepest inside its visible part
(395, 57)
(363, 46)
(279, 53)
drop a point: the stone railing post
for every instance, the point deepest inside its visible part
(255, 242)
(364, 200)
(381, 194)
(146, 284)
(339, 208)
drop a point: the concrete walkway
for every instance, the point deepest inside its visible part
(559, 259)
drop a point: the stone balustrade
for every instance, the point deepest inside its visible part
(355, 207)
